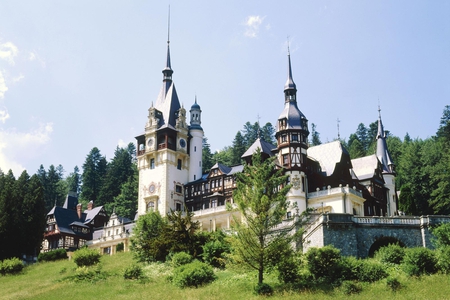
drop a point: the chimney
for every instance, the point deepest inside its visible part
(90, 205)
(79, 210)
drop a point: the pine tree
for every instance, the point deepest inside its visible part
(238, 148)
(207, 156)
(94, 170)
(315, 136)
(261, 200)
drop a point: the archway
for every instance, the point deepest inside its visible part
(384, 241)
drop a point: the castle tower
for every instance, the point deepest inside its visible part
(163, 160)
(388, 168)
(292, 144)
(195, 142)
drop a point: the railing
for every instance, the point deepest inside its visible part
(337, 190)
(384, 220)
(211, 210)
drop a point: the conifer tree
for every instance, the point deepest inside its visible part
(261, 200)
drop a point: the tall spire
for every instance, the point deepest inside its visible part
(167, 71)
(382, 149)
(290, 84)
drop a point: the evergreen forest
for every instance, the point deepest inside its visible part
(422, 167)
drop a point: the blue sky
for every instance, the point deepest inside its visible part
(81, 74)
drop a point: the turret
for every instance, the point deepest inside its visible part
(196, 142)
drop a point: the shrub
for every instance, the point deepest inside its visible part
(288, 270)
(442, 235)
(213, 253)
(350, 287)
(371, 271)
(351, 267)
(365, 270)
(391, 254)
(120, 247)
(181, 258)
(133, 272)
(194, 274)
(263, 289)
(86, 257)
(11, 266)
(443, 259)
(324, 263)
(87, 274)
(52, 255)
(419, 261)
(393, 283)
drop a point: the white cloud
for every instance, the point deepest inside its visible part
(18, 78)
(8, 51)
(15, 146)
(32, 56)
(253, 23)
(3, 87)
(121, 143)
(4, 115)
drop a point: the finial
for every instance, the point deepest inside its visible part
(259, 127)
(379, 111)
(289, 51)
(339, 135)
(168, 28)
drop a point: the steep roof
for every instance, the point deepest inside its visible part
(365, 167)
(261, 144)
(382, 150)
(328, 155)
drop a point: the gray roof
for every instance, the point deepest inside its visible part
(290, 84)
(328, 155)
(168, 104)
(293, 115)
(365, 167)
(382, 150)
(261, 144)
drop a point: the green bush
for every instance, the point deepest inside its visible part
(391, 254)
(324, 263)
(52, 255)
(442, 235)
(133, 272)
(213, 253)
(181, 258)
(419, 261)
(350, 287)
(288, 270)
(194, 274)
(443, 259)
(365, 270)
(263, 289)
(11, 266)
(87, 274)
(371, 271)
(120, 247)
(393, 283)
(86, 257)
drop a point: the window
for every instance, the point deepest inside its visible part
(295, 137)
(178, 206)
(179, 164)
(289, 215)
(214, 203)
(195, 148)
(178, 189)
(285, 159)
(283, 138)
(152, 163)
(151, 206)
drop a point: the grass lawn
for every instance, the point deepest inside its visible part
(44, 281)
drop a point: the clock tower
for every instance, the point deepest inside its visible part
(163, 158)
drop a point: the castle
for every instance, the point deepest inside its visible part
(323, 177)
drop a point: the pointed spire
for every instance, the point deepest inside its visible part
(382, 150)
(167, 71)
(290, 84)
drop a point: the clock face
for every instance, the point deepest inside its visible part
(151, 189)
(150, 142)
(182, 143)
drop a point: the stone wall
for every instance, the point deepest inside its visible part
(361, 236)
